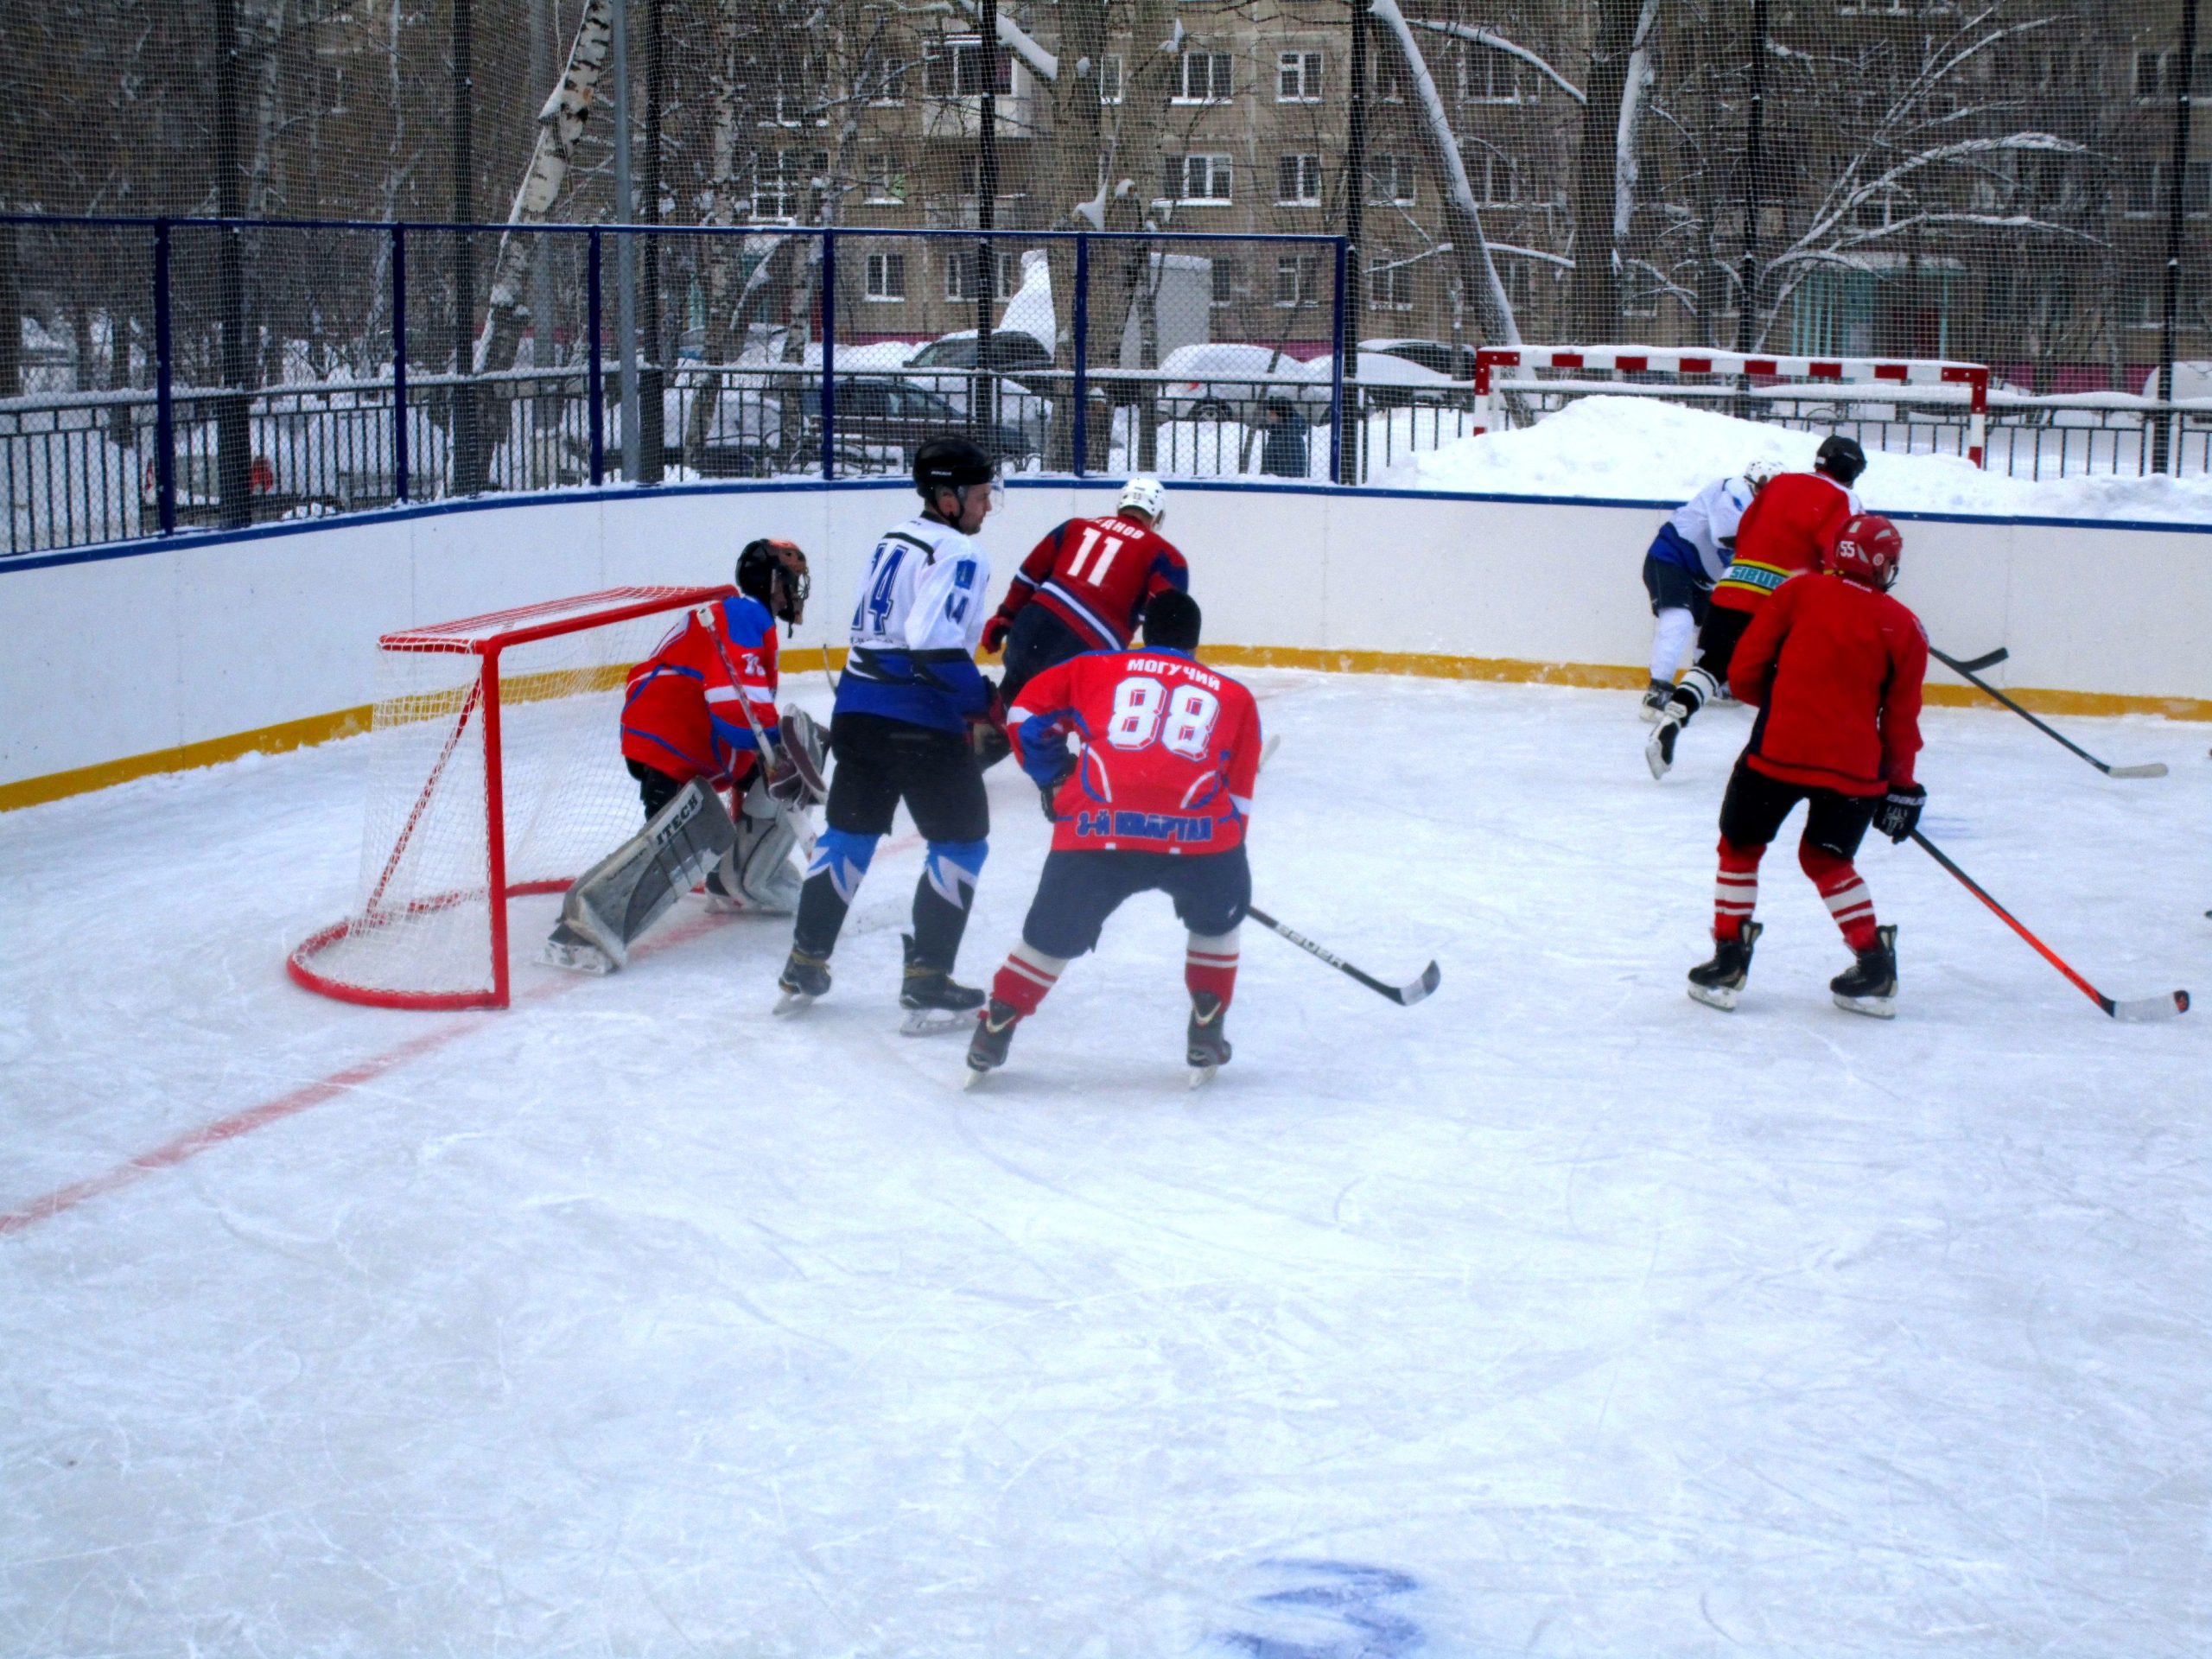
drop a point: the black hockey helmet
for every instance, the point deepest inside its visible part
(950, 464)
(1172, 621)
(1840, 458)
(774, 572)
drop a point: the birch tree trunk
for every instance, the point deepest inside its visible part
(560, 124)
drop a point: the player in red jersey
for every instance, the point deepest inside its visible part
(1083, 587)
(1834, 665)
(1156, 800)
(1787, 527)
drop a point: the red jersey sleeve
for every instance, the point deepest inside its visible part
(1034, 568)
(1908, 643)
(1750, 670)
(1244, 751)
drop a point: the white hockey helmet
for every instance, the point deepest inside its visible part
(1762, 472)
(1147, 495)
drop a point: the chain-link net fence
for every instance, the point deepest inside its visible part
(2021, 183)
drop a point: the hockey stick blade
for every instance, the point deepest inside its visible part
(2150, 1007)
(2152, 769)
(1965, 671)
(1414, 990)
(1975, 664)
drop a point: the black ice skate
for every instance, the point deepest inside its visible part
(806, 976)
(1205, 1043)
(1717, 983)
(1659, 751)
(1870, 985)
(1657, 697)
(986, 1049)
(933, 1000)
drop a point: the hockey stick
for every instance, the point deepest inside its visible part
(1987, 660)
(2141, 1008)
(801, 831)
(1404, 995)
(1965, 671)
(826, 674)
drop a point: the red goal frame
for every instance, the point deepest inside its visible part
(487, 637)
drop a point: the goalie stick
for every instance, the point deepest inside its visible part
(2141, 1008)
(1404, 995)
(1965, 671)
(802, 830)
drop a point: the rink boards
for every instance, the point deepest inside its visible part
(157, 656)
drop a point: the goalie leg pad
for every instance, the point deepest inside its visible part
(613, 903)
(757, 866)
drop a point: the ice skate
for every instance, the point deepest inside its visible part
(986, 1049)
(934, 1000)
(1869, 985)
(570, 950)
(720, 899)
(1659, 750)
(806, 976)
(1206, 1044)
(1717, 983)
(1657, 697)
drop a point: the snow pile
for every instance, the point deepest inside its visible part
(1645, 449)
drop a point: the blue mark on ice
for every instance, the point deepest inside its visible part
(1333, 1610)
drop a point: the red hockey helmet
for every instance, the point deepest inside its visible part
(1867, 550)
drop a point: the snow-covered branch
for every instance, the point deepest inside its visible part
(1022, 44)
(1480, 36)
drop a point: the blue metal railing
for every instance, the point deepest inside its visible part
(69, 484)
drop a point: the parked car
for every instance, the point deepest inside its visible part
(881, 411)
(1389, 381)
(1456, 361)
(1228, 380)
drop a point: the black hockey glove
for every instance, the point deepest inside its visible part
(1900, 813)
(1046, 791)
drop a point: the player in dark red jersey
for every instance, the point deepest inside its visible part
(1083, 587)
(1787, 527)
(1156, 800)
(1834, 665)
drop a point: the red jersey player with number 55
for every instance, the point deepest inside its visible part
(1155, 800)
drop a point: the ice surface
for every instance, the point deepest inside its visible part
(1556, 1315)
(1639, 448)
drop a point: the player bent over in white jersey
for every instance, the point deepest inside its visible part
(910, 693)
(1156, 801)
(1688, 556)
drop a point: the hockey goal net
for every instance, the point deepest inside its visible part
(1854, 389)
(495, 770)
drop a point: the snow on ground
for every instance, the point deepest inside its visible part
(1639, 448)
(1556, 1314)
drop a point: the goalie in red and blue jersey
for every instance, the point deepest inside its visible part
(1156, 799)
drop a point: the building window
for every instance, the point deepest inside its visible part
(779, 180)
(881, 81)
(2149, 182)
(960, 274)
(1490, 76)
(1204, 77)
(1224, 283)
(953, 67)
(1298, 280)
(1389, 283)
(887, 182)
(1388, 79)
(1640, 291)
(1198, 179)
(1298, 180)
(2157, 76)
(886, 275)
(1390, 178)
(1298, 78)
(1495, 179)
(1109, 79)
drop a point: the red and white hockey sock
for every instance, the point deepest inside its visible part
(1027, 975)
(1209, 964)
(1735, 889)
(1848, 901)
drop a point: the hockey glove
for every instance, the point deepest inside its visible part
(994, 632)
(1046, 790)
(1900, 813)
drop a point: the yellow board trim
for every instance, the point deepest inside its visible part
(348, 722)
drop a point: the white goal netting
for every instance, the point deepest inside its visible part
(495, 769)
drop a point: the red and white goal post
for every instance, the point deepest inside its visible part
(1499, 370)
(495, 770)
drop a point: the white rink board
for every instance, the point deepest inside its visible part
(119, 656)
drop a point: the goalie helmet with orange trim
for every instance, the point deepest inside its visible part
(774, 572)
(1868, 552)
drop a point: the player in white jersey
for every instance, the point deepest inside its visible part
(1687, 557)
(910, 690)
